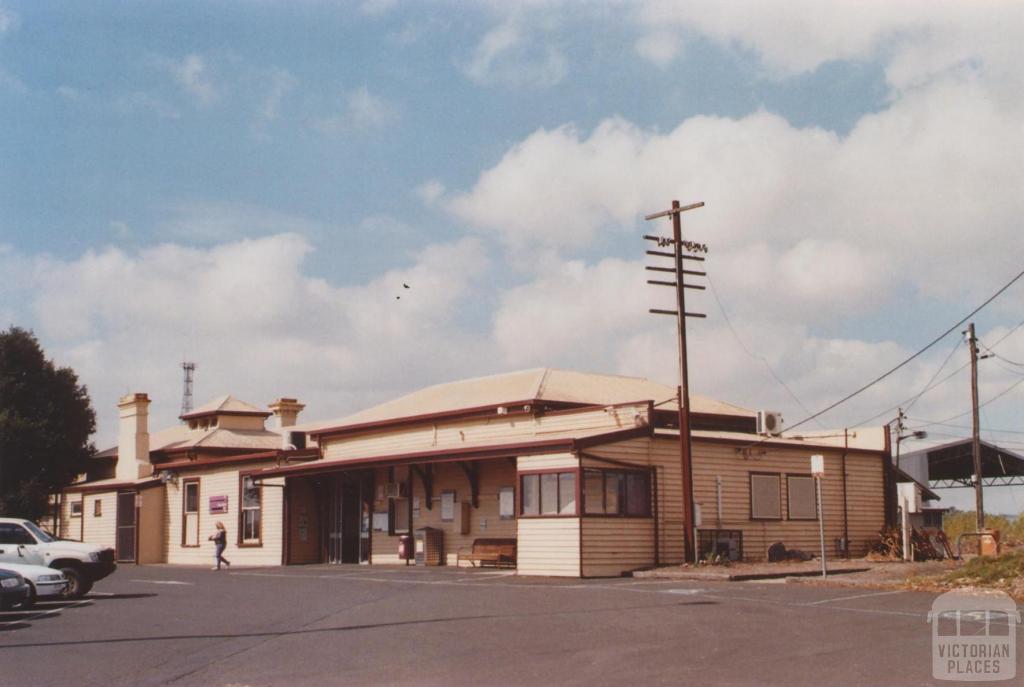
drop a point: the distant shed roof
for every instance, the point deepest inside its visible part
(952, 464)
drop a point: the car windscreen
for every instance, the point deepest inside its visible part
(41, 535)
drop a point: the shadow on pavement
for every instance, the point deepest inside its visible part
(116, 597)
(13, 626)
(339, 628)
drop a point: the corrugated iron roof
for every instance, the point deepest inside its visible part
(226, 404)
(535, 385)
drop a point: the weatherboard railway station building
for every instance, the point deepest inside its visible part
(581, 472)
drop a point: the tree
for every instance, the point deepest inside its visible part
(45, 423)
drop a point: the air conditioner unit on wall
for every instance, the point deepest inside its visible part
(769, 422)
(394, 490)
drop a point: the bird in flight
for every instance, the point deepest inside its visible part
(404, 286)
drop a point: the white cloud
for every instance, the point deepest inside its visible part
(660, 47)
(256, 325)
(278, 84)
(363, 111)
(8, 20)
(121, 230)
(924, 174)
(917, 38)
(12, 82)
(430, 191)
(192, 74)
(595, 316)
(505, 57)
(376, 8)
(216, 222)
(69, 93)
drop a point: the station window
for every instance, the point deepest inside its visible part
(803, 505)
(398, 516)
(617, 492)
(548, 493)
(252, 511)
(765, 496)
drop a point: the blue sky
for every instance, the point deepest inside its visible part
(247, 184)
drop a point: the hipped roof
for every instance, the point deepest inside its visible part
(526, 386)
(225, 405)
(181, 437)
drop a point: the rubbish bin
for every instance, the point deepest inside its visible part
(405, 547)
(429, 546)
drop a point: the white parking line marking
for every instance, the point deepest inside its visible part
(688, 592)
(52, 611)
(854, 596)
(164, 582)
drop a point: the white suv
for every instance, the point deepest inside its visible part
(22, 541)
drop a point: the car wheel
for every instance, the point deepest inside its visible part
(30, 599)
(77, 586)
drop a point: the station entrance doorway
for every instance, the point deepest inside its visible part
(347, 500)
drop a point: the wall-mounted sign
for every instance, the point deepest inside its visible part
(447, 506)
(507, 503)
(218, 504)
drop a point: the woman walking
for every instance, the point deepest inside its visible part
(220, 541)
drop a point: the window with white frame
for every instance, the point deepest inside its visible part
(548, 493)
(252, 511)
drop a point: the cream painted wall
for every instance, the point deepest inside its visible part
(224, 482)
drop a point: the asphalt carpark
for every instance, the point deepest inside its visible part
(351, 625)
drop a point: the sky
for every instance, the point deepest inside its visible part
(249, 184)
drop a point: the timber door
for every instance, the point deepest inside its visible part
(127, 528)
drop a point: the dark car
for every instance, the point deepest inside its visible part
(13, 589)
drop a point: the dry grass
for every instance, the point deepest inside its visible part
(1004, 573)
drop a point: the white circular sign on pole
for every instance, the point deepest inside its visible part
(818, 465)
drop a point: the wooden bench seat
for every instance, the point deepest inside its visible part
(501, 553)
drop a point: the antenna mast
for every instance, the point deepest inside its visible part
(186, 395)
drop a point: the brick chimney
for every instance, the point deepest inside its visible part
(133, 438)
(286, 412)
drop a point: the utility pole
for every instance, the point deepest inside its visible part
(899, 435)
(979, 503)
(678, 256)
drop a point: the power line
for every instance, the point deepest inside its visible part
(934, 341)
(933, 386)
(946, 424)
(915, 355)
(956, 346)
(761, 358)
(980, 405)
